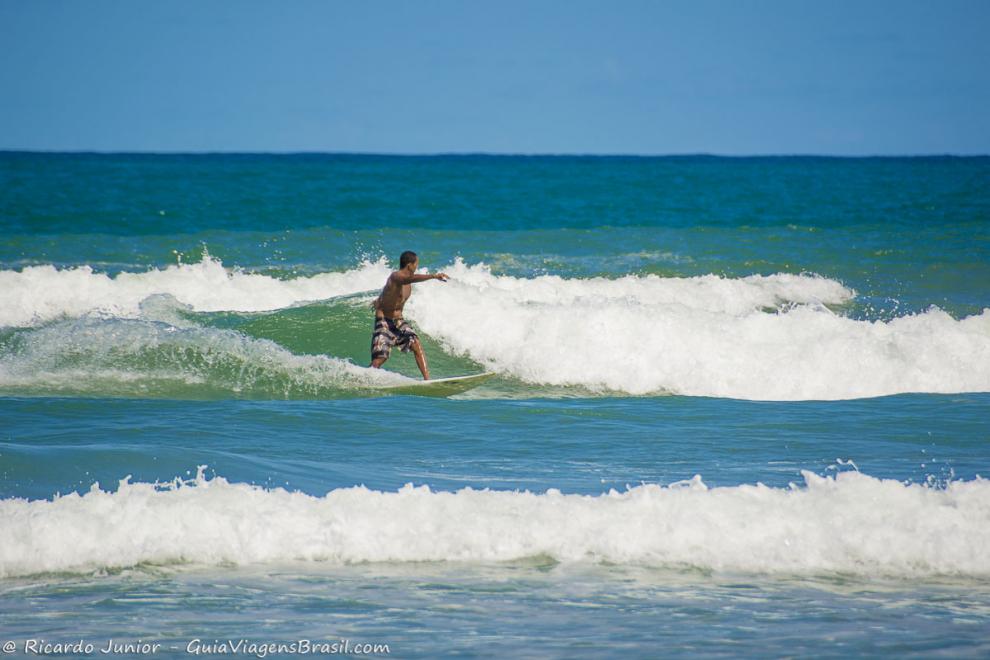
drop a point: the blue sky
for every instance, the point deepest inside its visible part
(726, 77)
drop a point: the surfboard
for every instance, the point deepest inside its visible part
(442, 386)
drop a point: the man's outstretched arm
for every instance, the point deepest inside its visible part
(401, 278)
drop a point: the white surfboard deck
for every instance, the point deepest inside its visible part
(441, 386)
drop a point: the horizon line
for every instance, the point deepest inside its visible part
(488, 154)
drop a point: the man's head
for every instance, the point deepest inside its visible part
(408, 257)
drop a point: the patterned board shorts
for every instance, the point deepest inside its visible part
(389, 333)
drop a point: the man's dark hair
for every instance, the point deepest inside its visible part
(407, 258)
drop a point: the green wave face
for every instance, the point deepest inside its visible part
(313, 351)
(341, 328)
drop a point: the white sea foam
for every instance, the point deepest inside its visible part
(41, 293)
(705, 336)
(708, 292)
(852, 523)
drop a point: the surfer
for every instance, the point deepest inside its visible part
(390, 328)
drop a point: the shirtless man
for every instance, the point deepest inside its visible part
(390, 328)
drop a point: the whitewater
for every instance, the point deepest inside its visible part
(775, 337)
(848, 524)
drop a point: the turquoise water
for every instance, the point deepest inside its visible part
(740, 405)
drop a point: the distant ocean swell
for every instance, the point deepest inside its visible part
(779, 337)
(849, 524)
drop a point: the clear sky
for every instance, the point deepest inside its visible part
(725, 77)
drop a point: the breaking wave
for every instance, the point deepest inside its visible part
(752, 338)
(777, 337)
(851, 523)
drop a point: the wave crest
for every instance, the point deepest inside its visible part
(38, 294)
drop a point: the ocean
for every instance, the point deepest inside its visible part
(741, 406)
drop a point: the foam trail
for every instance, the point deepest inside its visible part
(704, 336)
(41, 293)
(851, 523)
(138, 357)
